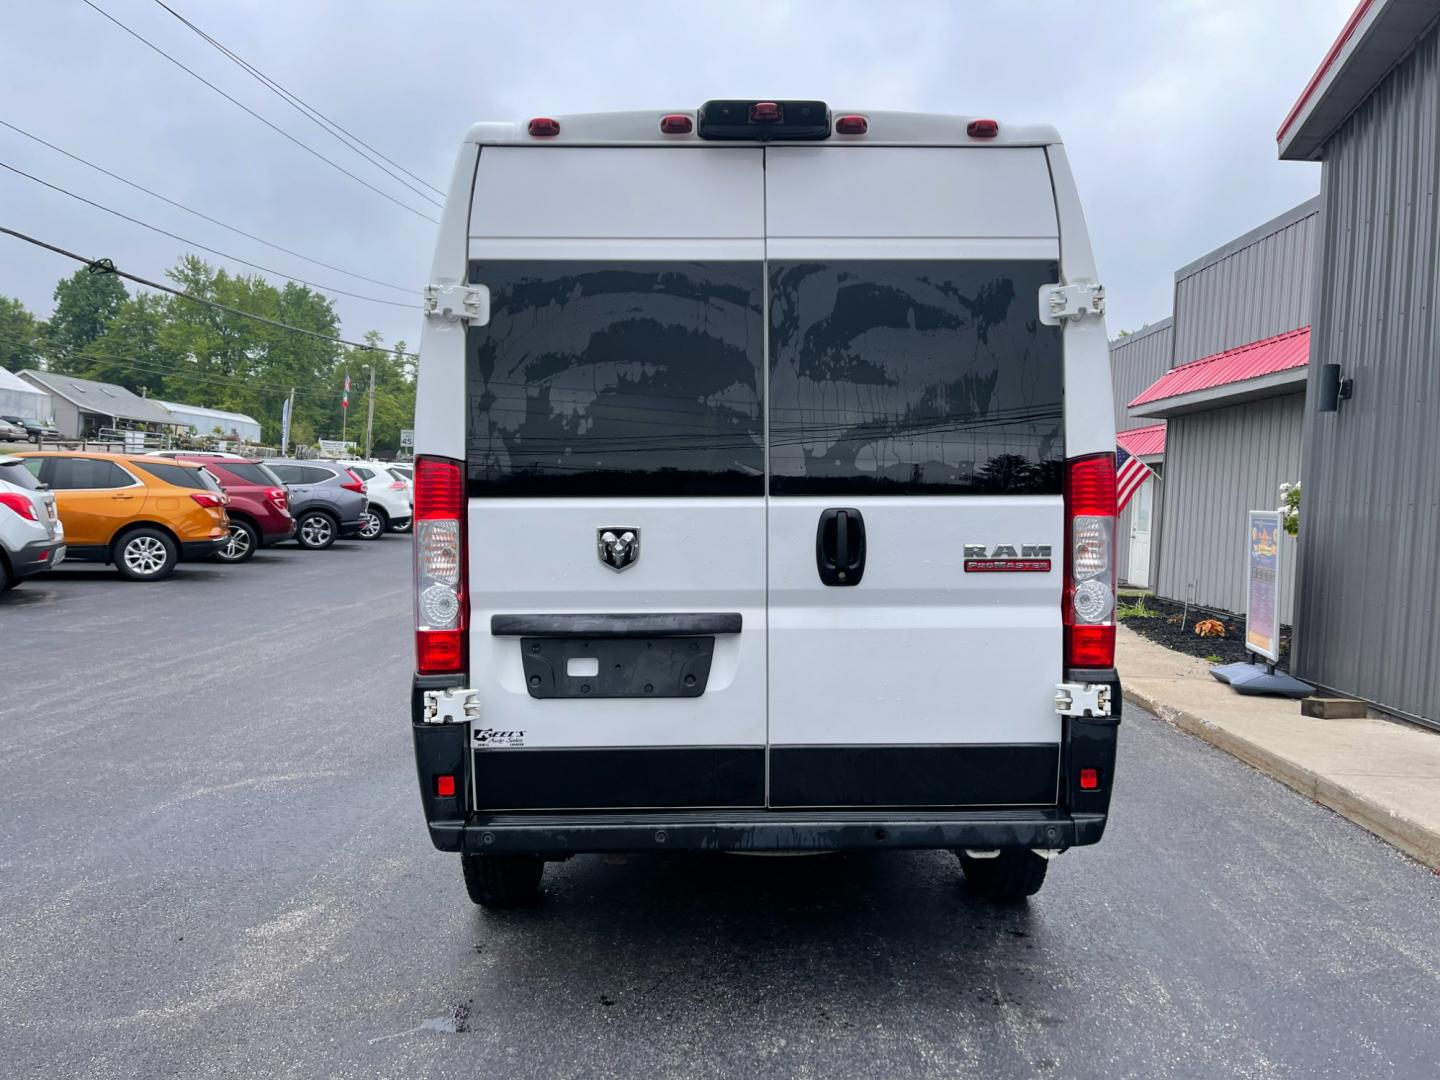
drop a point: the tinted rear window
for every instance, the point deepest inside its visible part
(15, 472)
(82, 474)
(913, 377)
(179, 475)
(250, 474)
(616, 379)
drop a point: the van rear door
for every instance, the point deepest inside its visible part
(915, 466)
(615, 474)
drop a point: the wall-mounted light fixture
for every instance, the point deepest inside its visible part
(1333, 388)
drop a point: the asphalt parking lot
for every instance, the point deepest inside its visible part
(213, 863)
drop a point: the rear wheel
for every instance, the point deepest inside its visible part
(502, 881)
(244, 538)
(373, 524)
(6, 580)
(1012, 875)
(145, 555)
(315, 530)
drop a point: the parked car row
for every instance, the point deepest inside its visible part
(144, 514)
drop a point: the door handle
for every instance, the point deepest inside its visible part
(840, 546)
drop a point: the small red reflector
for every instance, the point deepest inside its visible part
(1089, 779)
(543, 125)
(1092, 646)
(852, 125)
(676, 124)
(439, 652)
(765, 112)
(982, 129)
(445, 784)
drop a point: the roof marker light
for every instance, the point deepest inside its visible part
(766, 112)
(852, 125)
(676, 124)
(543, 125)
(982, 129)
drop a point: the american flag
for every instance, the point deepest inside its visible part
(1130, 473)
(345, 397)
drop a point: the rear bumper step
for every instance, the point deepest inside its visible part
(766, 831)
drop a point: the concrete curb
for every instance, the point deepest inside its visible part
(1415, 839)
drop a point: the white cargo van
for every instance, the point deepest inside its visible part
(764, 494)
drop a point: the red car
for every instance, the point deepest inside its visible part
(259, 507)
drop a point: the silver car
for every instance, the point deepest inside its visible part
(31, 536)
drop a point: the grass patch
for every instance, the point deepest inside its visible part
(1135, 609)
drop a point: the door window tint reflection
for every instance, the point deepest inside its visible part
(913, 377)
(616, 379)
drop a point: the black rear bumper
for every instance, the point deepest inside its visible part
(34, 557)
(200, 549)
(1077, 818)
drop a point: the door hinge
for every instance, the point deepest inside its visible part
(458, 303)
(1082, 699)
(452, 705)
(1061, 303)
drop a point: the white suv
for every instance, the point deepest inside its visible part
(764, 492)
(31, 536)
(391, 505)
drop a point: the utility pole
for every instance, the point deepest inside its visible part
(370, 415)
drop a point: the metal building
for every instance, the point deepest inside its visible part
(1136, 361)
(1232, 406)
(203, 421)
(1369, 574)
(23, 399)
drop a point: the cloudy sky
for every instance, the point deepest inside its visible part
(1169, 109)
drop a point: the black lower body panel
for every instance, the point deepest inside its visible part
(605, 779)
(1019, 774)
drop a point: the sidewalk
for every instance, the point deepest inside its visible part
(1381, 775)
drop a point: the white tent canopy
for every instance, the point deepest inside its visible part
(20, 398)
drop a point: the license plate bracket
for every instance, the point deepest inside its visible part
(625, 667)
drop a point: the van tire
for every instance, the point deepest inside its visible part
(1011, 876)
(145, 554)
(502, 881)
(321, 532)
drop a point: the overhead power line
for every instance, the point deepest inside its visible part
(197, 244)
(273, 127)
(348, 139)
(105, 266)
(200, 214)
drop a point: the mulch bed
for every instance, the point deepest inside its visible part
(1164, 628)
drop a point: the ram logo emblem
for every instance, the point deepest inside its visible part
(619, 547)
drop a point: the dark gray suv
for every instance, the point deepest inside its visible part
(326, 500)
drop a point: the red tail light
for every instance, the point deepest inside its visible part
(544, 126)
(676, 124)
(354, 483)
(1088, 606)
(852, 125)
(442, 601)
(20, 504)
(206, 499)
(397, 485)
(279, 496)
(982, 129)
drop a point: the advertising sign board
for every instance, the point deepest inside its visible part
(1262, 584)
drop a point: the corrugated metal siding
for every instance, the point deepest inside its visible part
(1261, 289)
(1219, 465)
(1136, 361)
(1370, 524)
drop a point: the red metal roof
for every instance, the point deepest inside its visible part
(1279, 353)
(1144, 442)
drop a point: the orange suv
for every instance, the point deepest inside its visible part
(143, 514)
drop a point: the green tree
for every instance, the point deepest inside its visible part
(85, 302)
(19, 336)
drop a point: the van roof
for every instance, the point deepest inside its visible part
(642, 128)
